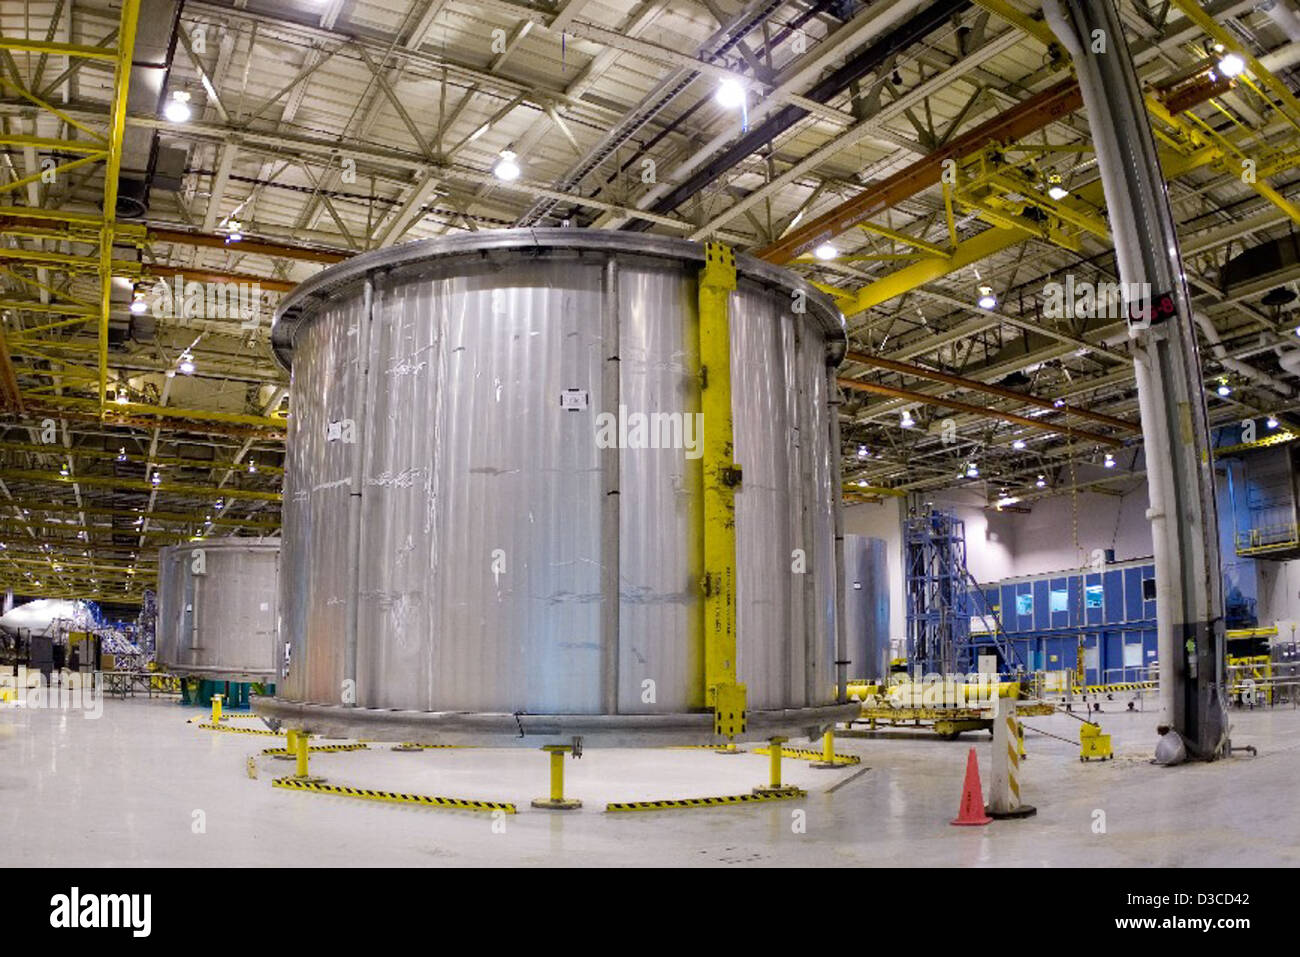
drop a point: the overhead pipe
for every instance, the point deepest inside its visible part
(1175, 421)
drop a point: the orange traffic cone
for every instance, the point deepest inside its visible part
(971, 811)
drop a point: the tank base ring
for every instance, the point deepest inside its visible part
(500, 730)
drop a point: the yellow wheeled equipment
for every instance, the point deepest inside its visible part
(1094, 744)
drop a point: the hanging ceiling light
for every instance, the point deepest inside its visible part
(506, 170)
(986, 298)
(863, 451)
(234, 231)
(186, 365)
(1232, 65)
(1018, 444)
(906, 420)
(826, 252)
(972, 470)
(1054, 188)
(138, 304)
(1109, 461)
(730, 94)
(1042, 481)
(1224, 389)
(1271, 423)
(178, 109)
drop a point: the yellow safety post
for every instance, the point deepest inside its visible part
(290, 746)
(721, 478)
(1020, 739)
(774, 762)
(216, 708)
(301, 742)
(774, 785)
(828, 752)
(557, 801)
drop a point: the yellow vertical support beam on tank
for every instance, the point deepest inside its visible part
(721, 479)
(116, 129)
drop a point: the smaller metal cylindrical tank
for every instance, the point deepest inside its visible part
(866, 606)
(218, 609)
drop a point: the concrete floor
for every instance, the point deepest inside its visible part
(125, 790)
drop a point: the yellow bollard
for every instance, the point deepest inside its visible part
(302, 741)
(557, 802)
(774, 768)
(1020, 739)
(828, 751)
(216, 708)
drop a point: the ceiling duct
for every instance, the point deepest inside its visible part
(142, 155)
(1261, 268)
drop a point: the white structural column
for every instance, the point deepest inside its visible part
(1180, 475)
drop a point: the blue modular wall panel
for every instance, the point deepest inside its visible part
(1132, 594)
(1042, 616)
(1113, 589)
(1010, 623)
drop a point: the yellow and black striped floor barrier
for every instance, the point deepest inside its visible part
(804, 754)
(320, 747)
(725, 800)
(393, 797)
(1120, 686)
(217, 727)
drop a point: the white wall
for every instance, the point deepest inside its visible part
(1044, 540)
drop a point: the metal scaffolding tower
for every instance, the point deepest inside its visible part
(942, 597)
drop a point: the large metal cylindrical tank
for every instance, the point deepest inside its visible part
(493, 509)
(218, 608)
(866, 606)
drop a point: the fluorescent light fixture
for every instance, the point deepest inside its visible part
(730, 94)
(178, 109)
(506, 170)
